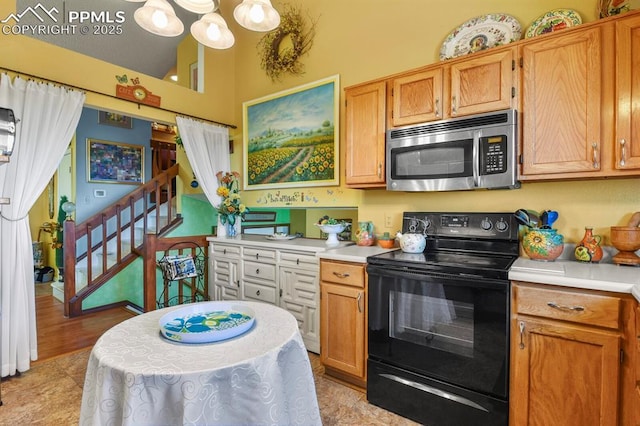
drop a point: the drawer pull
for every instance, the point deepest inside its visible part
(224, 251)
(257, 271)
(258, 293)
(341, 274)
(297, 261)
(257, 256)
(565, 308)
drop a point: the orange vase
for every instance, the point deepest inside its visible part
(589, 250)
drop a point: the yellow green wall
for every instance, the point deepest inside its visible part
(360, 40)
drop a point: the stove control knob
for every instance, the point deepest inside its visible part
(486, 224)
(502, 225)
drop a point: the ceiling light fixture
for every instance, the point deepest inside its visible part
(158, 17)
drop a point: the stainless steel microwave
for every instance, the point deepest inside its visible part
(464, 153)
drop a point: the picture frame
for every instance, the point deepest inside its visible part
(115, 119)
(291, 137)
(114, 162)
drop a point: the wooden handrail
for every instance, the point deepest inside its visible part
(107, 229)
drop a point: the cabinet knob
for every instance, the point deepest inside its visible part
(257, 255)
(257, 271)
(258, 293)
(297, 261)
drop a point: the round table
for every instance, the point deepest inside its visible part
(135, 376)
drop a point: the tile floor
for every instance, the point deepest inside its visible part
(51, 391)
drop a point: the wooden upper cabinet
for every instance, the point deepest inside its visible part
(562, 95)
(483, 84)
(627, 140)
(365, 115)
(417, 97)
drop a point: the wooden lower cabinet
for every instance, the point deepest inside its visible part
(572, 361)
(343, 321)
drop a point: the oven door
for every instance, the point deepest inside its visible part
(450, 328)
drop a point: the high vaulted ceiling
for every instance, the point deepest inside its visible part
(111, 35)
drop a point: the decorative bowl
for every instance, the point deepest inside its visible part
(543, 244)
(332, 232)
(627, 240)
(387, 243)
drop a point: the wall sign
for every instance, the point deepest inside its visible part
(137, 94)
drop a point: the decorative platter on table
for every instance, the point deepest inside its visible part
(206, 322)
(480, 33)
(554, 20)
(280, 236)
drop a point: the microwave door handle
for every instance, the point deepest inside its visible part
(476, 159)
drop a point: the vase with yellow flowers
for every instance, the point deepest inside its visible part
(231, 210)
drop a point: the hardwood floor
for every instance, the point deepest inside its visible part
(58, 335)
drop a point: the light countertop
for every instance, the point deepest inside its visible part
(307, 244)
(354, 253)
(604, 276)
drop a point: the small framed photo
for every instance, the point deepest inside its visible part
(115, 119)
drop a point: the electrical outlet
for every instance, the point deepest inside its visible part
(387, 220)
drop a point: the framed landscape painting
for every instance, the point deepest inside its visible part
(291, 137)
(114, 162)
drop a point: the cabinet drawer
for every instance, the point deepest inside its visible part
(296, 258)
(342, 273)
(262, 271)
(226, 250)
(569, 305)
(260, 292)
(263, 255)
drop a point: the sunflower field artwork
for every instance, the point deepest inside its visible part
(291, 137)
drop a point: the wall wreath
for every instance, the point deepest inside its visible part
(280, 49)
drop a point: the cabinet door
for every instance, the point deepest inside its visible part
(365, 135)
(627, 143)
(343, 328)
(299, 295)
(417, 97)
(561, 92)
(225, 279)
(563, 374)
(482, 84)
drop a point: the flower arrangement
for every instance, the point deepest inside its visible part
(230, 208)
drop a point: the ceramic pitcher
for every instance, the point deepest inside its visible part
(589, 250)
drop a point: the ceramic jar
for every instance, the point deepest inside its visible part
(589, 249)
(364, 234)
(543, 244)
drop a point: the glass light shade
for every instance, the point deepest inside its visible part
(257, 15)
(212, 31)
(158, 17)
(197, 6)
(7, 131)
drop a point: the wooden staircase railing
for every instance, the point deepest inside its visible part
(112, 239)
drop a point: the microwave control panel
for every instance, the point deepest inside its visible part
(493, 154)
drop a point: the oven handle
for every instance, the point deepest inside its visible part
(434, 391)
(478, 280)
(476, 159)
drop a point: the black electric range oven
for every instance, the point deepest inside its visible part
(439, 321)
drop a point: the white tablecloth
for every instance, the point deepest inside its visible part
(137, 377)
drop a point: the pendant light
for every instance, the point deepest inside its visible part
(257, 15)
(158, 17)
(212, 31)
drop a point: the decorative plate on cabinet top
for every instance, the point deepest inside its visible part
(616, 7)
(480, 33)
(554, 20)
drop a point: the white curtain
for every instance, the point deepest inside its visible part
(207, 148)
(48, 118)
